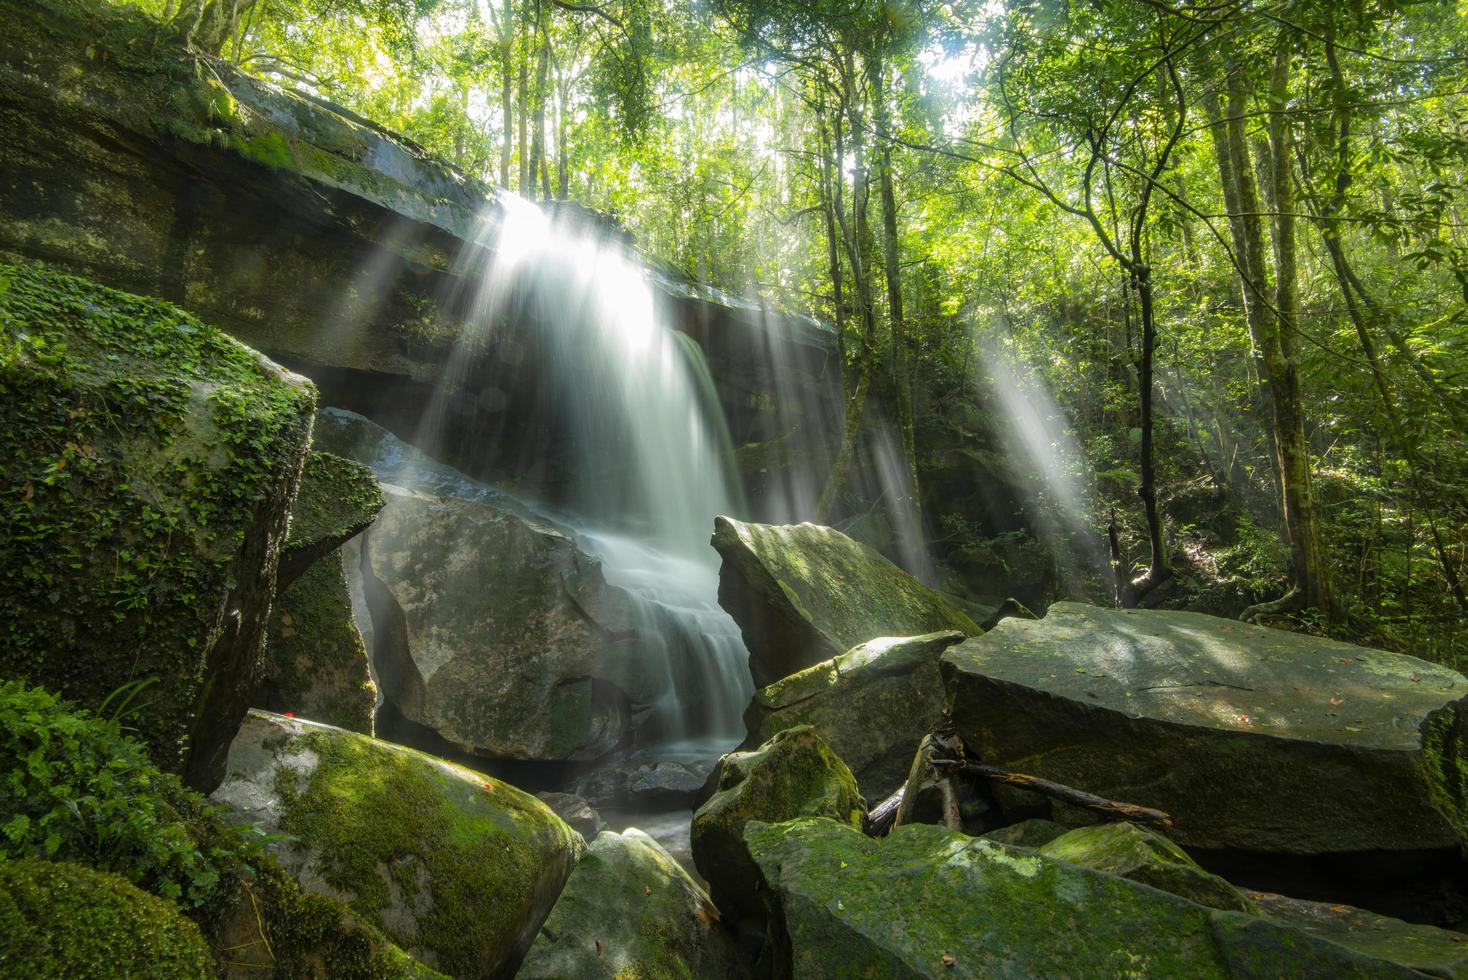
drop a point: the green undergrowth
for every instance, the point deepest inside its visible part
(141, 447)
(60, 921)
(77, 792)
(74, 787)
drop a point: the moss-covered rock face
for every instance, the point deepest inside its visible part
(1142, 854)
(794, 774)
(150, 463)
(1435, 952)
(337, 500)
(458, 869)
(62, 920)
(630, 910)
(804, 593)
(928, 902)
(1252, 739)
(1034, 832)
(315, 661)
(871, 705)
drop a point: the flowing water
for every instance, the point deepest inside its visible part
(650, 457)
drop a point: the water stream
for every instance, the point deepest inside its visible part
(650, 452)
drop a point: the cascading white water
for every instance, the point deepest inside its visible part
(650, 451)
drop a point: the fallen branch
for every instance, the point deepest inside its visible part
(1099, 805)
(884, 814)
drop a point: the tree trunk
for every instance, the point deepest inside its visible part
(1281, 357)
(507, 106)
(901, 360)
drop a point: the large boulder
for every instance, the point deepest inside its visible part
(1253, 739)
(1142, 854)
(792, 775)
(804, 593)
(63, 920)
(149, 466)
(630, 910)
(315, 660)
(871, 705)
(456, 868)
(490, 624)
(929, 902)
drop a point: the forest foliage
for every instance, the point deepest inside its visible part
(1225, 239)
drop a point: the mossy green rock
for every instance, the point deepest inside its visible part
(1251, 738)
(456, 868)
(1034, 832)
(1427, 949)
(337, 500)
(150, 462)
(315, 660)
(630, 910)
(805, 593)
(63, 921)
(871, 705)
(929, 902)
(792, 775)
(1142, 854)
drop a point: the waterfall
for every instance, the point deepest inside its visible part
(650, 459)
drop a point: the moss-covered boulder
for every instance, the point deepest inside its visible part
(456, 868)
(871, 705)
(61, 921)
(149, 462)
(1426, 949)
(630, 910)
(315, 660)
(1252, 739)
(804, 593)
(792, 775)
(1142, 854)
(929, 902)
(337, 500)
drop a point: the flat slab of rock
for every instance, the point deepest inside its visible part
(630, 910)
(456, 868)
(804, 593)
(871, 705)
(929, 902)
(1251, 738)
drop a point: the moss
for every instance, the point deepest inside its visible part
(59, 921)
(385, 821)
(142, 448)
(315, 661)
(337, 499)
(1144, 855)
(299, 934)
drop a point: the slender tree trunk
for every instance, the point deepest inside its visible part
(1142, 281)
(538, 163)
(902, 366)
(523, 122)
(507, 106)
(858, 243)
(1281, 356)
